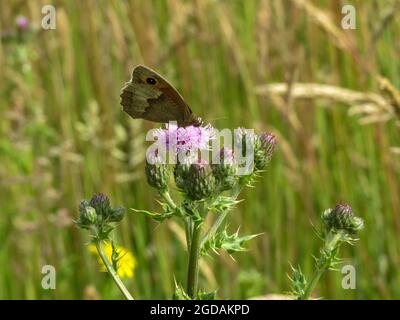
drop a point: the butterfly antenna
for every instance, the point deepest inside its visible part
(214, 119)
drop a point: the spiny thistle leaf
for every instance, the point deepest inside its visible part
(222, 204)
(299, 282)
(168, 210)
(104, 232)
(155, 215)
(179, 293)
(230, 243)
(191, 209)
(207, 295)
(114, 256)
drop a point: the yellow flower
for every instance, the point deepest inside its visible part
(126, 262)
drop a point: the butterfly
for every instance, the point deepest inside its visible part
(151, 97)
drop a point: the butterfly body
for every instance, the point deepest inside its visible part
(149, 96)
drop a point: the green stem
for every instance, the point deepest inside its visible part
(167, 197)
(193, 265)
(322, 265)
(112, 271)
(214, 228)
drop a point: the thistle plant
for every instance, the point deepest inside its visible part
(205, 188)
(339, 226)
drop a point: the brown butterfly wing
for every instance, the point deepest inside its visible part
(134, 98)
(157, 101)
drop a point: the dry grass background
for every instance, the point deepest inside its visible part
(285, 66)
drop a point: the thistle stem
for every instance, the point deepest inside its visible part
(214, 228)
(167, 197)
(193, 265)
(112, 271)
(322, 265)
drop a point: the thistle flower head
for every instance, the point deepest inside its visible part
(87, 215)
(200, 182)
(101, 204)
(117, 214)
(224, 169)
(342, 218)
(22, 22)
(158, 175)
(97, 211)
(225, 156)
(180, 174)
(155, 157)
(268, 143)
(184, 140)
(263, 150)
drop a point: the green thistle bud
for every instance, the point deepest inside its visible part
(98, 213)
(90, 215)
(342, 218)
(158, 176)
(87, 215)
(224, 169)
(117, 214)
(82, 206)
(157, 171)
(101, 204)
(180, 174)
(200, 181)
(263, 149)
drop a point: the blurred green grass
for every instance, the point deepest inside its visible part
(64, 137)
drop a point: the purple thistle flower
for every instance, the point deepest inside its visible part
(342, 218)
(155, 157)
(22, 22)
(166, 137)
(343, 209)
(225, 156)
(264, 146)
(268, 142)
(101, 203)
(184, 140)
